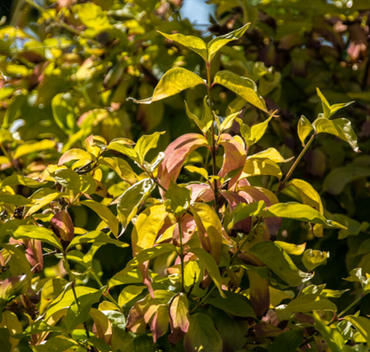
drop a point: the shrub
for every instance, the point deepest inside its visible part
(203, 268)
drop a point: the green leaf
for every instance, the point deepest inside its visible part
(78, 311)
(143, 256)
(312, 258)
(202, 335)
(146, 143)
(15, 199)
(280, 263)
(33, 147)
(179, 198)
(130, 201)
(63, 112)
(288, 341)
(172, 82)
(304, 129)
(56, 344)
(304, 304)
(205, 122)
(21, 180)
(234, 304)
(217, 43)
(300, 212)
(38, 233)
(362, 325)
(353, 227)
(259, 167)
(228, 121)
(129, 293)
(331, 335)
(244, 210)
(189, 41)
(121, 167)
(68, 179)
(340, 128)
(241, 86)
(124, 149)
(66, 298)
(328, 109)
(338, 178)
(211, 267)
(96, 237)
(104, 213)
(50, 291)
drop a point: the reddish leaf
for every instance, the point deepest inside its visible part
(234, 156)
(175, 156)
(159, 324)
(179, 317)
(62, 226)
(259, 293)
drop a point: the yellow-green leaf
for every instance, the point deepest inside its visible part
(304, 304)
(96, 237)
(191, 42)
(228, 121)
(300, 212)
(146, 143)
(37, 233)
(328, 109)
(291, 248)
(130, 201)
(198, 170)
(205, 122)
(280, 263)
(104, 213)
(340, 128)
(211, 267)
(312, 258)
(217, 43)
(33, 147)
(362, 325)
(242, 86)
(147, 226)
(258, 167)
(271, 154)
(330, 334)
(304, 129)
(172, 82)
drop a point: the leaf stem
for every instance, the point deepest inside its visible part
(356, 301)
(296, 162)
(213, 146)
(181, 256)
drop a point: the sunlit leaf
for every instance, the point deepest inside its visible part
(242, 86)
(189, 41)
(104, 213)
(330, 334)
(340, 128)
(279, 262)
(131, 199)
(304, 129)
(33, 147)
(313, 258)
(172, 82)
(217, 43)
(146, 143)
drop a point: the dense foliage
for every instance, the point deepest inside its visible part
(134, 221)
